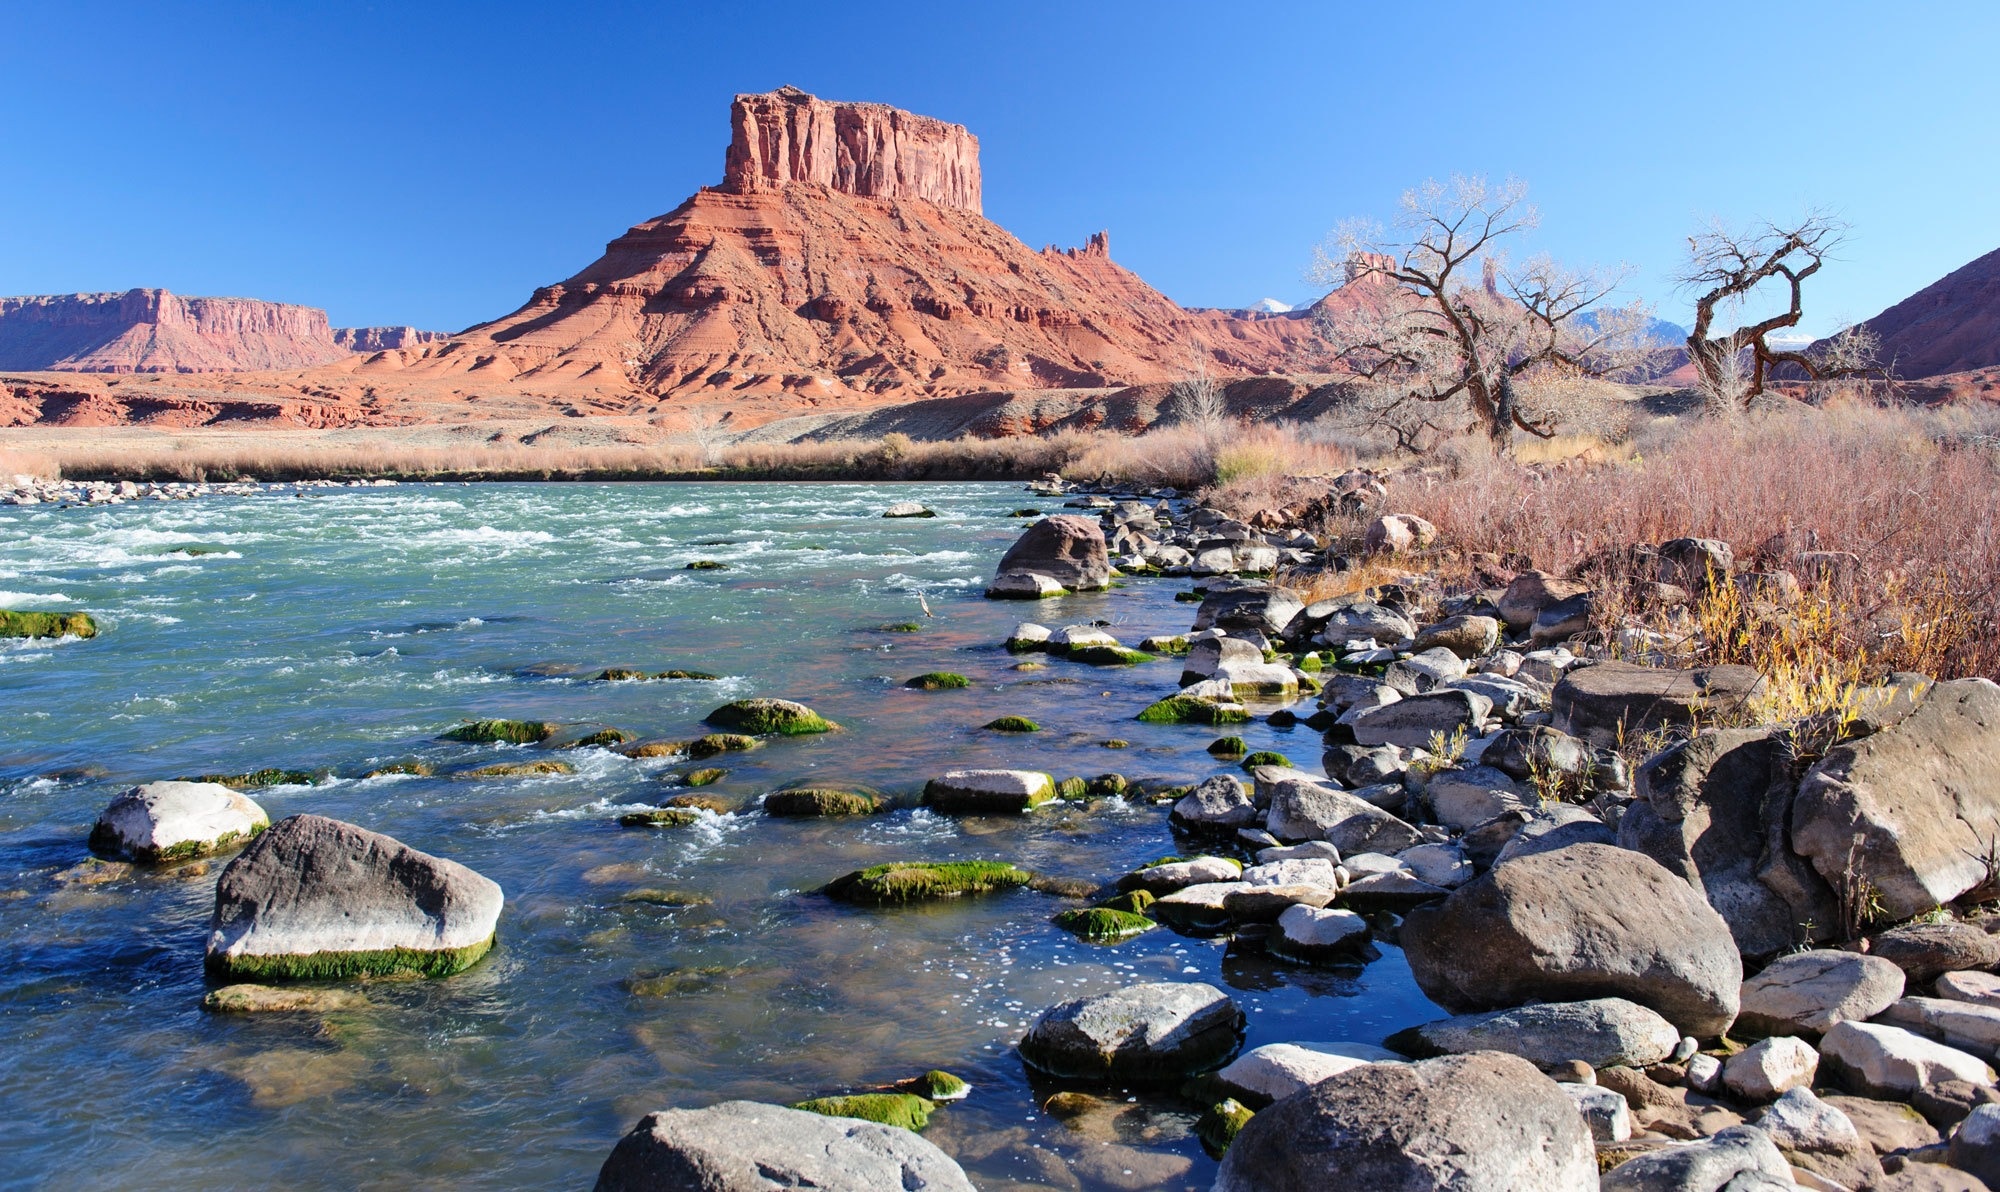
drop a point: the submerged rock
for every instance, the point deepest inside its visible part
(173, 821)
(248, 998)
(925, 881)
(1151, 1033)
(315, 898)
(989, 792)
(744, 1146)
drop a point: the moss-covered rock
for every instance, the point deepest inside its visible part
(1024, 511)
(604, 738)
(1013, 724)
(1072, 788)
(1312, 663)
(343, 966)
(249, 998)
(619, 674)
(1220, 1125)
(762, 717)
(1115, 743)
(1101, 923)
(910, 1112)
(704, 777)
(660, 817)
(1228, 747)
(690, 675)
(707, 565)
(1107, 655)
(627, 675)
(658, 749)
(903, 627)
(1106, 785)
(259, 778)
(938, 681)
(1135, 901)
(1175, 646)
(1265, 757)
(505, 732)
(711, 803)
(18, 623)
(817, 801)
(411, 769)
(1188, 709)
(718, 743)
(652, 896)
(677, 982)
(937, 1085)
(901, 882)
(532, 769)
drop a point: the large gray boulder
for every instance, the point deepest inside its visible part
(1601, 1032)
(1218, 803)
(1926, 951)
(1301, 809)
(1586, 921)
(1876, 1060)
(1334, 623)
(1716, 811)
(1613, 702)
(1809, 993)
(1465, 797)
(1067, 549)
(1472, 1123)
(1237, 608)
(1211, 654)
(1739, 1159)
(1414, 722)
(744, 1146)
(1531, 592)
(1151, 1033)
(1914, 808)
(172, 821)
(314, 898)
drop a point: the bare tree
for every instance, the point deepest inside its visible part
(1729, 270)
(705, 431)
(1198, 398)
(1441, 348)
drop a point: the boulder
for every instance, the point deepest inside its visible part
(1885, 1125)
(759, 717)
(1198, 909)
(1769, 1068)
(1208, 655)
(1600, 1032)
(1397, 892)
(1423, 672)
(172, 821)
(1259, 680)
(1178, 875)
(1466, 635)
(1235, 608)
(1275, 1071)
(1980, 989)
(908, 509)
(1715, 810)
(1305, 810)
(1926, 951)
(1161, 1032)
(1522, 752)
(1808, 993)
(1360, 765)
(1336, 622)
(1975, 1148)
(1029, 638)
(1442, 865)
(1512, 699)
(989, 792)
(1613, 702)
(1532, 591)
(1956, 1024)
(1311, 935)
(1565, 619)
(1218, 803)
(1467, 796)
(1914, 808)
(1555, 826)
(1888, 1061)
(1606, 1112)
(1695, 564)
(1739, 1159)
(1482, 1123)
(1023, 585)
(314, 898)
(1396, 533)
(1067, 549)
(1586, 921)
(1945, 1103)
(1413, 722)
(1819, 1138)
(744, 1146)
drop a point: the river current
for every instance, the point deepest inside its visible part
(343, 631)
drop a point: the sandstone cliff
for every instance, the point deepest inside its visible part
(1949, 326)
(865, 149)
(383, 339)
(155, 331)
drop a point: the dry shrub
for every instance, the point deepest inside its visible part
(1315, 586)
(1920, 512)
(38, 464)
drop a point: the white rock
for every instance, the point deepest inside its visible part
(1023, 585)
(1369, 864)
(1262, 679)
(1704, 1073)
(1770, 1068)
(1312, 935)
(1888, 1061)
(1077, 637)
(170, 820)
(1027, 637)
(989, 792)
(1178, 875)
(1299, 852)
(1799, 1121)
(1441, 865)
(1277, 1070)
(1604, 1111)
(1980, 989)
(1310, 871)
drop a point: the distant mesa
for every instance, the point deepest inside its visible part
(844, 256)
(154, 331)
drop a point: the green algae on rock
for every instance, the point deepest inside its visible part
(901, 882)
(906, 1110)
(768, 717)
(404, 769)
(1072, 788)
(620, 674)
(250, 998)
(660, 817)
(818, 801)
(938, 681)
(936, 1085)
(504, 732)
(714, 803)
(1219, 1126)
(1101, 655)
(1102, 923)
(18, 623)
(258, 778)
(1189, 709)
(603, 738)
(707, 565)
(715, 743)
(1265, 757)
(652, 896)
(704, 777)
(1012, 724)
(1228, 747)
(534, 769)
(903, 627)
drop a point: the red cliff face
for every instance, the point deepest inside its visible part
(150, 331)
(869, 150)
(383, 339)
(1949, 326)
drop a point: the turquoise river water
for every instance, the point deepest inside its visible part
(345, 630)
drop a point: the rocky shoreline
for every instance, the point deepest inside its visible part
(1679, 949)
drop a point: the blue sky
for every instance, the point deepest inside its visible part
(431, 164)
